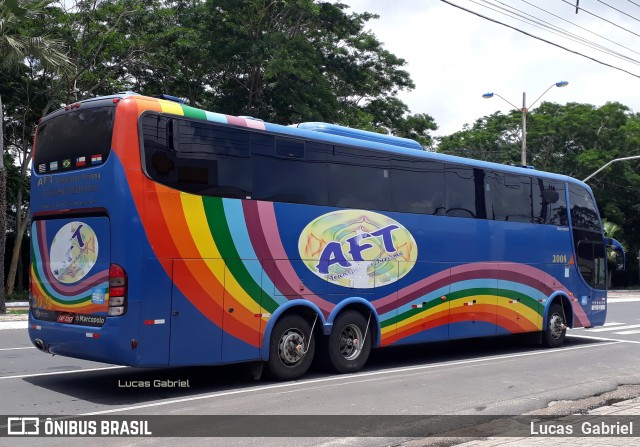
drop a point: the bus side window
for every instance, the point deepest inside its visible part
(197, 157)
(417, 186)
(216, 160)
(288, 170)
(465, 192)
(160, 161)
(550, 202)
(359, 179)
(511, 198)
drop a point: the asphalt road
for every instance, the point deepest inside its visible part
(471, 377)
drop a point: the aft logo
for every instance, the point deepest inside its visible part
(357, 249)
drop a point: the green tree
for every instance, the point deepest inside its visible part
(103, 39)
(491, 138)
(284, 62)
(391, 115)
(16, 45)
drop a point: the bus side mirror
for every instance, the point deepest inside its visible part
(618, 250)
(550, 196)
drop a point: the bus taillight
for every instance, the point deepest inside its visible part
(117, 290)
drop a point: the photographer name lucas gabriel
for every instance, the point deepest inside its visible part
(585, 428)
(153, 384)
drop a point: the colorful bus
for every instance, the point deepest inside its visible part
(165, 235)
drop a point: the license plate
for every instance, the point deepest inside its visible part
(66, 318)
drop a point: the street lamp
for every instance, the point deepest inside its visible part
(524, 111)
(633, 157)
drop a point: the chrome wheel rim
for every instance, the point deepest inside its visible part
(291, 347)
(556, 326)
(351, 342)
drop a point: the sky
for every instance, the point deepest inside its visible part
(454, 57)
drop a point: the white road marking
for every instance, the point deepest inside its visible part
(587, 337)
(628, 332)
(73, 371)
(12, 349)
(616, 328)
(14, 325)
(350, 378)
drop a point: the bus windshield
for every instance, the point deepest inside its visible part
(74, 140)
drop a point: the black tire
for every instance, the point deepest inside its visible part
(291, 348)
(345, 352)
(556, 329)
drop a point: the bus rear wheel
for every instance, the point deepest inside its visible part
(553, 335)
(349, 345)
(291, 348)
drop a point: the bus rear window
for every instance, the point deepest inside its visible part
(74, 140)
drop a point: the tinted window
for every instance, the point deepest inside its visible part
(549, 202)
(591, 260)
(417, 186)
(359, 179)
(584, 214)
(298, 177)
(74, 140)
(511, 197)
(587, 237)
(197, 157)
(465, 196)
(288, 147)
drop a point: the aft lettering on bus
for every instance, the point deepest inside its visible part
(333, 254)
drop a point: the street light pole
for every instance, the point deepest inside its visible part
(523, 154)
(524, 110)
(633, 157)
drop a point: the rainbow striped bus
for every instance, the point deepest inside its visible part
(164, 235)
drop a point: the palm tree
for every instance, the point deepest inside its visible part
(16, 45)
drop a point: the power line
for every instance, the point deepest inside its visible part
(601, 18)
(619, 10)
(539, 38)
(638, 5)
(543, 24)
(581, 27)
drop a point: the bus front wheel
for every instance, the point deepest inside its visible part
(349, 344)
(291, 348)
(556, 329)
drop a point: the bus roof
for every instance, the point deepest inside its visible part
(349, 132)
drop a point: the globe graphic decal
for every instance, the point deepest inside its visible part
(74, 251)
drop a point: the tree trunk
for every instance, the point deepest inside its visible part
(17, 243)
(3, 211)
(15, 255)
